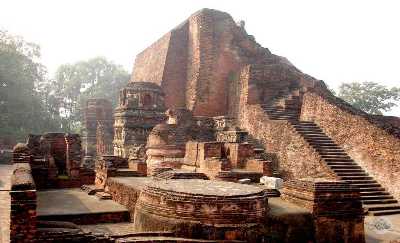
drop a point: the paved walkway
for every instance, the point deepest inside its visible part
(382, 228)
(73, 202)
(5, 177)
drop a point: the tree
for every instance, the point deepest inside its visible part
(75, 83)
(22, 106)
(370, 97)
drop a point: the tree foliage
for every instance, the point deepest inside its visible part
(30, 102)
(370, 97)
(75, 83)
(23, 106)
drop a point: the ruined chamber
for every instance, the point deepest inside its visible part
(141, 107)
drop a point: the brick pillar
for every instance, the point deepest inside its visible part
(23, 205)
(74, 155)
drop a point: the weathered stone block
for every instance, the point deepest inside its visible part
(272, 182)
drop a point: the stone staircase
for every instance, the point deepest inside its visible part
(376, 200)
(258, 147)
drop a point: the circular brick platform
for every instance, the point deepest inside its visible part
(200, 208)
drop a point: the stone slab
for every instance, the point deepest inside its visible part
(136, 182)
(206, 187)
(382, 228)
(72, 201)
(272, 182)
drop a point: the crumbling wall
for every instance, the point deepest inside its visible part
(197, 62)
(375, 146)
(23, 204)
(95, 111)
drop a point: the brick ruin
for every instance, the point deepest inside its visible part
(54, 159)
(141, 107)
(207, 111)
(225, 72)
(97, 127)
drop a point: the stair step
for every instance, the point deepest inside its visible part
(311, 133)
(326, 146)
(328, 155)
(337, 159)
(384, 201)
(372, 189)
(315, 136)
(385, 212)
(329, 150)
(345, 167)
(377, 207)
(376, 197)
(305, 126)
(381, 193)
(341, 174)
(319, 143)
(103, 195)
(127, 173)
(335, 156)
(375, 193)
(318, 139)
(310, 129)
(355, 177)
(362, 186)
(341, 163)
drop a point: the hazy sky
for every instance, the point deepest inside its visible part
(336, 41)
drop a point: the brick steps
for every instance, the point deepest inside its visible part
(373, 196)
(127, 172)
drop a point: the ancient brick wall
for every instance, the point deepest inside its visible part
(124, 195)
(296, 158)
(335, 206)
(174, 75)
(23, 205)
(197, 62)
(375, 147)
(95, 111)
(150, 63)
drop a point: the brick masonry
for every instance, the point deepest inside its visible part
(373, 144)
(23, 205)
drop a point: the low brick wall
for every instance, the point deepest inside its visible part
(335, 206)
(373, 144)
(23, 205)
(297, 159)
(123, 194)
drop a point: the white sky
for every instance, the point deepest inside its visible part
(336, 41)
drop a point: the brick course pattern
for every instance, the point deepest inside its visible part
(373, 145)
(23, 205)
(335, 206)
